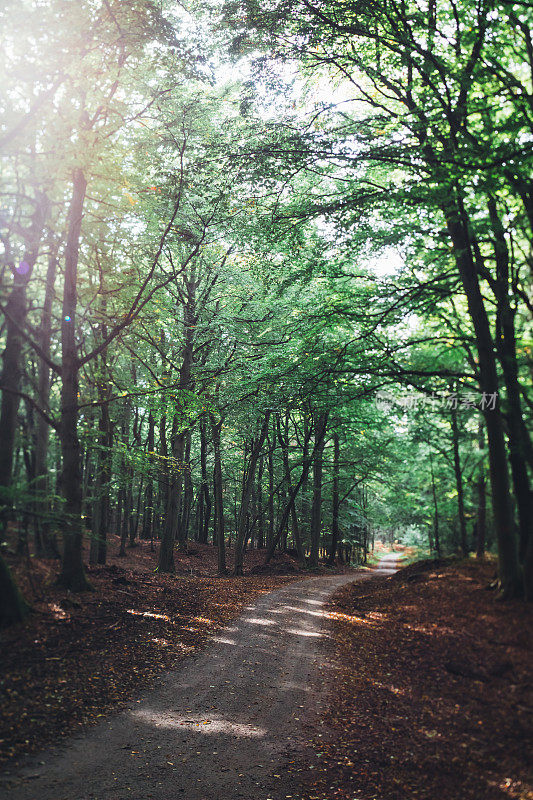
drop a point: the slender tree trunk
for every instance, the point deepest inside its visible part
(127, 478)
(481, 524)
(271, 515)
(203, 530)
(284, 444)
(364, 499)
(149, 496)
(119, 511)
(187, 493)
(316, 511)
(171, 523)
(303, 477)
(16, 310)
(459, 482)
(248, 482)
(436, 510)
(335, 501)
(72, 574)
(510, 577)
(520, 449)
(137, 516)
(260, 509)
(134, 507)
(305, 508)
(218, 530)
(13, 607)
(164, 475)
(98, 551)
(43, 532)
(171, 530)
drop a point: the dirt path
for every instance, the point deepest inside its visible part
(388, 564)
(221, 726)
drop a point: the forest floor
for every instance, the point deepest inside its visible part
(430, 690)
(79, 656)
(225, 723)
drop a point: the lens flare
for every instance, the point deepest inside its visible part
(23, 268)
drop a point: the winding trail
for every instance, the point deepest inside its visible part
(222, 725)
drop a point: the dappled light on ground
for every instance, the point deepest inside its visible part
(432, 698)
(79, 658)
(225, 724)
(210, 726)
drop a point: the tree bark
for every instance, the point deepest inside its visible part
(148, 519)
(127, 480)
(510, 578)
(203, 528)
(43, 534)
(459, 482)
(260, 509)
(13, 607)
(316, 511)
(16, 310)
(98, 551)
(520, 449)
(335, 501)
(248, 482)
(171, 523)
(436, 510)
(187, 493)
(218, 528)
(271, 515)
(284, 444)
(303, 477)
(481, 524)
(72, 575)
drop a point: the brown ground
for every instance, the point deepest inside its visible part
(431, 697)
(222, 725)
(78, 656)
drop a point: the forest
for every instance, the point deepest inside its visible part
(265, 286)
(266, 275)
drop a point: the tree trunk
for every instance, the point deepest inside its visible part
(171, 523)
(203, 528)
(284, 444)
(481, 498)
(43, 533)
(510, 577)
(316, 511)
(260, 509)
(13, 607)
(72, 574)
(271, 516)
(164, 474)
(459, 481)
(436, 510)
(127, 479)
(187, 494)
(135, 507)
(148, 519)
(335, 501)
(520, 449)
(248, 482)
(171, 530)
(303, 477)
(16, 310)
(98, 552)
(218, 528)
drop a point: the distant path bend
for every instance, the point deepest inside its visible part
(222, 725)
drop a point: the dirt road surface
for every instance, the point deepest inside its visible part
(223, 725)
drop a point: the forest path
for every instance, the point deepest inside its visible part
(388, 565)
(223, 725)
